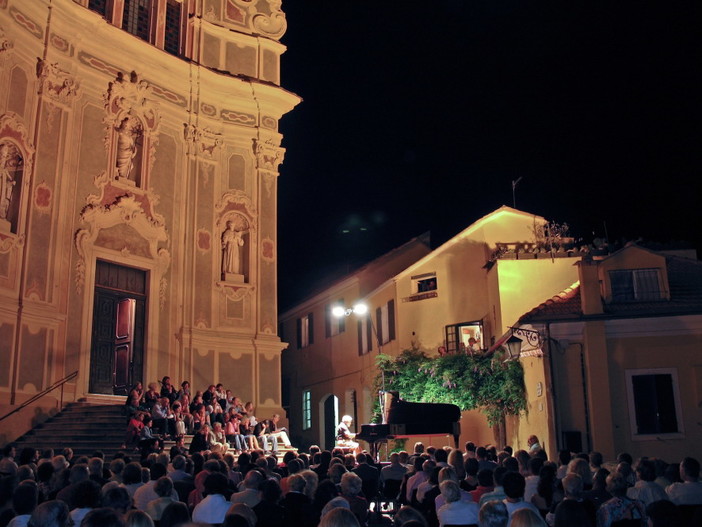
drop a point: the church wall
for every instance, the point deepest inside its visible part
(208, 138)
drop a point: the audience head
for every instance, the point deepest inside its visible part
(498, 475)
(526, 518)
(244, 511)
(472, 466)
(485, 477)
(581, 468)
(645, 470)
(351, 484)
(117, 498)
(450, 491)
(596, 459)
(25, 498)
(87, 495)
(616, 484)
(625, 457)
(689, 469)
(514, 484)
(136, 518)
(103, 517)
(53, 513)
(572, 486)
(493, 514)
(441, 456)
(339, 517)
(571, 513)
(406, 514)
(334, 503)
(174, 514)
(663, 513)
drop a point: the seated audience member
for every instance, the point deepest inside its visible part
(582, 468)
(369, 474)
(151, 396)
(131, 478)
(86, 498)
(513, 484)
(175, 514)
(663, 513)
(532, 480)
(147, 492)
(545, 488)
(135, 518)
(526, 518)
(689, 492)
(533, 443)
(250, 494)
(486, 484)
(351, 490)
(455, 511)
(268, 512)
(299, 510)
(499, 492)
(619, 507)
(570, 513)
(53, 513)
(199, 441)
(168, 390)
(163, 490)
(493, 514)
(103, 517)
(470, 482)
(598, 495)
(645, 489)
(213, 508)
(25, 499)
(117, 498)
(409, 514)
(339, 517)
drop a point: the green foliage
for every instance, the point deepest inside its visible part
(480, 381)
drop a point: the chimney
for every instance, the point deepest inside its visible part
(590, 296)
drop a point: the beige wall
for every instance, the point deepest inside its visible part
(211, 150)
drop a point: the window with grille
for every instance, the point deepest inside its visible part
(99, 6)
(136, 18)
(172, 36)
(306, 410)
(635, 285)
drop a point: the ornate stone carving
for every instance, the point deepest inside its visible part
(269, 156)
(55, 83)
(5, 43)
(113, 206)
(203, 141)
(235, 291)
(132, 121)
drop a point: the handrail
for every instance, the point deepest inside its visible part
(42, 394)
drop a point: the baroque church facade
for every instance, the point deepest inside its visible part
(139, 153)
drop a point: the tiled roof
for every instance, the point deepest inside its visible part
(565, 304)
(684, 280)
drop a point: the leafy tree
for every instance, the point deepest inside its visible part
(485, 382)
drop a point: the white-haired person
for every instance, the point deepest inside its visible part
(344, 436)
(455, 511)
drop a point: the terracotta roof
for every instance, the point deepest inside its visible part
(565, 304)
(684, 280)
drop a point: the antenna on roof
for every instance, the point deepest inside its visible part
(515, 182)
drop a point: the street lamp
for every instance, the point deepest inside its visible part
(361, 310)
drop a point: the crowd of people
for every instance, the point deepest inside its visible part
(218, 419)
(429, 487)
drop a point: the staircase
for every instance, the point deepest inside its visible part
(87, 427)
(81, 426)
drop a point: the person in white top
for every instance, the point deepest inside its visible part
(689, 492)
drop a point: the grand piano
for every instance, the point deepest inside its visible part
(402, 419)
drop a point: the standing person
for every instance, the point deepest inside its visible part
(344, 436)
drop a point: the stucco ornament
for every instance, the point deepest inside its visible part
(55, 83)
(258, 16)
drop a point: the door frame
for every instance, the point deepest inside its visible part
(154, 270)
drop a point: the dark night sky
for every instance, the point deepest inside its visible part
(418, 115)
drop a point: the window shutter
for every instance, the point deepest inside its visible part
(369, 332)
(342, 320)
(379, 323)
(327, 320)
(299, 333)
(391, 320)
(310, 329)
(360, 337)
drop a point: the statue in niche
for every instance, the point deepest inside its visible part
(232, 240)
(9, 161)
(128, 135)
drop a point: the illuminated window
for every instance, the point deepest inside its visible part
(333, 325)
(635, 285)
(306, 410)
(365, 335)
(305, 330)
(172, 36)
(135, 19)
(465, 337)
(385, 322)
(423, 283)
(654, 402)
